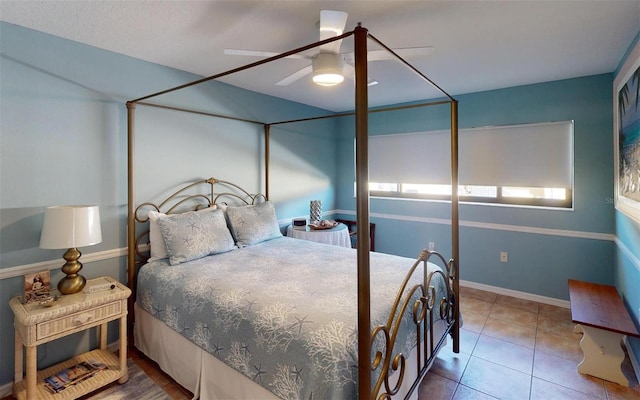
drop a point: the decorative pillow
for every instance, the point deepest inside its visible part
(156, 241)
(158, 248)
(195, 234)
(253, 224)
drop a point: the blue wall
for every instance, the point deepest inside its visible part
(546, 247)
(64, 135)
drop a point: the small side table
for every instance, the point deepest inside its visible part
(338, 235)
(352, 232)
(36, 324)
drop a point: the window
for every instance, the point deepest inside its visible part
(528, 164)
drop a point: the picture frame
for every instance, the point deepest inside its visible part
(626, 134)
(36, 287)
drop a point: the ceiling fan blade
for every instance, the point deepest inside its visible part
(350, 73)
(407, 52)
(332, 24)
(254, 53)
(295, 76)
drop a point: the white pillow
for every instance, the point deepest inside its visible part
(156, 241)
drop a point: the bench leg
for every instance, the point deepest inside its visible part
(603, 355)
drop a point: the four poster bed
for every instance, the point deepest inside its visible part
(232, 309)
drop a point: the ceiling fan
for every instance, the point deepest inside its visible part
(329, 67)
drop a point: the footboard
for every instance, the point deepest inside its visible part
(428, 311)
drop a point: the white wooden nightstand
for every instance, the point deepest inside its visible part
(36, 324)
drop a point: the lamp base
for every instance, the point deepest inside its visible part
(73, 282)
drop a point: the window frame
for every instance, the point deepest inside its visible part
(562, 204)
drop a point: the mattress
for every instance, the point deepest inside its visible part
(283, 312)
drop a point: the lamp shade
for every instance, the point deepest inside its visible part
(66, 227)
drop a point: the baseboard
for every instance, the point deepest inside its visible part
(517, 294)
(7, 388)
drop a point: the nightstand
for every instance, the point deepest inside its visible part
(36, 324)
(337, 236)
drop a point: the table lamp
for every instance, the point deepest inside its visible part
(70, 227)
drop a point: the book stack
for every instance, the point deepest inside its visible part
(72, 375)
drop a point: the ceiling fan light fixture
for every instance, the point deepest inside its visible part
(328, 79)
(328, 69)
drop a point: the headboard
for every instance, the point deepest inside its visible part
(192, 197)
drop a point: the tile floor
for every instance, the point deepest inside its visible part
(510, 349)
(516, 349)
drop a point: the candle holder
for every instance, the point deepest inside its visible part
(315, 211)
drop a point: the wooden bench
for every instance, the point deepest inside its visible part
(603, 319)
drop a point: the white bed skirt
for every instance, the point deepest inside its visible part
(204, 375)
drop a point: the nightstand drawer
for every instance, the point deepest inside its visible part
(59, 326)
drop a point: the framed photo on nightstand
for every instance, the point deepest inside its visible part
(36, 286)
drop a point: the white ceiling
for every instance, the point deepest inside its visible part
(479, 45)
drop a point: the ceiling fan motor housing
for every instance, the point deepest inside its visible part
(328, 69)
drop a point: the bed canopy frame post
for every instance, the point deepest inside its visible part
(267, 131)
(131, 226)
(455, 224)
(362, 212)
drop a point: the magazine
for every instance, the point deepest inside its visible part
(72, 375)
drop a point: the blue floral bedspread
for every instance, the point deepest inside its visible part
(282, 312)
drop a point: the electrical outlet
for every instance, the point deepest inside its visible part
(432, 246)
(504, 256)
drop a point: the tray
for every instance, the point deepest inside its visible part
(318, 227)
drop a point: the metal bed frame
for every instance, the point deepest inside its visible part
(387, 362)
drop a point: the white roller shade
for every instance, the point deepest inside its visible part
(410, 158)
(532, 155)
